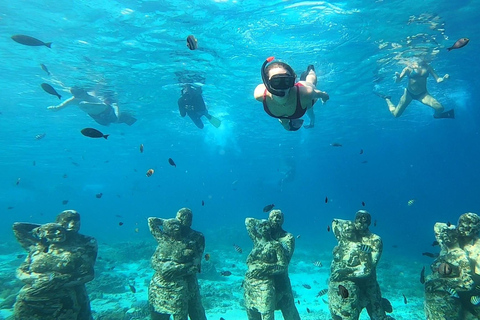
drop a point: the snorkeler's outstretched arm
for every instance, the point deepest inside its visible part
(62, 105)
(435, 75)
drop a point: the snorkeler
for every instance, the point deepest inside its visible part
(416, 89)
(191, 103)
(101, 111)
(281, 101)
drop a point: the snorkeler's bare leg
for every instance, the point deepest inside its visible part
(402, 104)
(432, 103)
(312, 77)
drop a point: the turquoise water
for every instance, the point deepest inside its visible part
(135, 50)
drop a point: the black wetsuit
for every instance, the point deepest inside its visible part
(191, 103)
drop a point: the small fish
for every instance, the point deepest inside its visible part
(150, 172)
(226, 273)
(318, 264)
(361, 151)
(120, 223)
(410, 202)
(322, 292)
(422, 275)
(475, 300)
(132, 288)
(364, 161)
(307, 286)
(136, 230)
(445, 269)
(449, 224)
(428, 254)
(342, 291)
(44, 68)
(222, 318)
(404, 299)
(93, 133)
(375, 223)
(64, 202)
(363, 204)
(435, 243)
(298, 236)
(308, 310)
(18, 181)
(65, 176)
(207, 257)
(336, 144)
(387, 306)
(30, 41)
(366, 248)
(141, 148)
(192, 42)
(49, 89)
(21, 256)
(453, 293)
(326, 199)
(203, 203)
(268, 208)
(10, 208)
(40, 136)
(34, 163)
(328, 228)
(172, 163)
(237, 248)
(99, 195)
(460, 43)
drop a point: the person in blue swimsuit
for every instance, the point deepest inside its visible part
(286, 100)
(417, 74)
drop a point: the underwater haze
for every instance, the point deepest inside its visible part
(135, 52)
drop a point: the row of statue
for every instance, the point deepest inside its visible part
(60, 261)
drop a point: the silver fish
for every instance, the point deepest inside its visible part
(44, 68)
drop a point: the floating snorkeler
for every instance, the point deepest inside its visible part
(281, 102)
(416, 89)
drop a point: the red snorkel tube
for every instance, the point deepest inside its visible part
(265, 79)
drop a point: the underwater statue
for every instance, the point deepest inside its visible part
(284, 299)
(174, 288)
(267, 259)
(78, 250)
(451, 290)
(353, 281)
(54, 273)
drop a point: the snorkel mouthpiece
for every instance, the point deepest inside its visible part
(279, 93)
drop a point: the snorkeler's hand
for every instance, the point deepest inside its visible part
(325, 97)
(397, 77)
(441, 79)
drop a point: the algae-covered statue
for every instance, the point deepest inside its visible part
(451, 290)
(174, 289)
(56, 251)
(353, 282)
(267, 259)
(52, 272)
(278, 271)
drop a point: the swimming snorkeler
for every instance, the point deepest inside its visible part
(281, 101)
(191, 103)
(101, 111)
(417, 74)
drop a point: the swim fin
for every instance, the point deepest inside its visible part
(127, 118)
(214, 121)
(450, 114)
(304, 74)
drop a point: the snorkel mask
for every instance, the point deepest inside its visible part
(279, 83)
